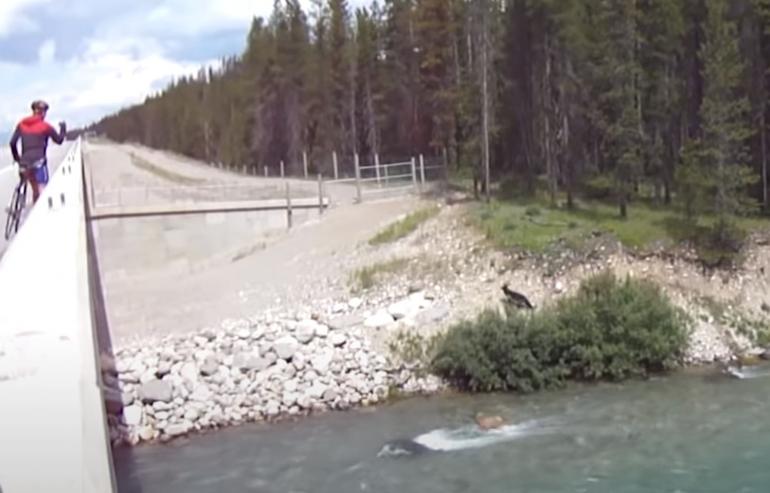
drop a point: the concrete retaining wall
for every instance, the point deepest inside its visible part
(140, 247)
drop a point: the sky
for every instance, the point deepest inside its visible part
(89, 58)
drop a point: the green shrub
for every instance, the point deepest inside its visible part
(532, 211)
(609, 330)
(600, 187)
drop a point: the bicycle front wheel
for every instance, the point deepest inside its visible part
(15, 208)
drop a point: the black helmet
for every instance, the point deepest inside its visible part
(39, 104)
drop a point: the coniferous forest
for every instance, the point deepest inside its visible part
(604, 99)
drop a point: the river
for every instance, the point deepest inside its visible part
(690, 433)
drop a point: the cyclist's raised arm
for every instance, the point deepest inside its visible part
(14, 143)
(58, 137)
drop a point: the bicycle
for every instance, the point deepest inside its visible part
(16, 208)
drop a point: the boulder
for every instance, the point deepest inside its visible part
(407, 307)
(317, 390)
(305, 331)
(330, 394)
(189, 372)
(321, 362)
(433, 314)
(132, 415)
(191, 414)
(285, 347)
(321, 330)
(201, 393)
(765, 355)
(345, 321)
(209, 367)
(155, 390)
(379, 320)
(250, 362)
(338, 339)
(354, 303)
(178, 429)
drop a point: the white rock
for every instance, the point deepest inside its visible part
(146, 433)
(200, 341)
(156, 390)
(201, 393)
(189, 372)
(177, 429)
(289, 399)
(321, 362)
(305, 401)
(354, 303)
(317, 390)
(191, 414)
(379, 320)
(339, 308)
(305, 331)
(321, 330)
(290, 385)
(147, 376)
(405, 308)
(559, 287)
(338, 339)
(132, 415)
(285, 347)
(299, 361)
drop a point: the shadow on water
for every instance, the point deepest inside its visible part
(106, 358)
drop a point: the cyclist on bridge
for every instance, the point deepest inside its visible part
(34, 132)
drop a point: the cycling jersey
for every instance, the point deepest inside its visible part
(34, 132)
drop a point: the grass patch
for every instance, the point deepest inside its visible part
(368, 277)
(532, 224)
(610, 330)
(405, 226)
(160, 172)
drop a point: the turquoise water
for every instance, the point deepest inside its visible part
(684, 434)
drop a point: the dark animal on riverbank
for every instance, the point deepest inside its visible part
(402, 447)
(516, 299)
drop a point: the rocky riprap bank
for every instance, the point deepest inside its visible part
(256, 370)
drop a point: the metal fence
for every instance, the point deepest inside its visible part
(375, 179)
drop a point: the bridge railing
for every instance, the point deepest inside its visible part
(53, 433)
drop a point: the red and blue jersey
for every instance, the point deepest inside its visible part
(34, 132)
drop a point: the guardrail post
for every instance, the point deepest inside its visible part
(266, 172)
(377, 166)
(304, 162)
(320, 194)
(422, 173)
(358, 178)
(282, 169)
(288, 205)
(244, 170)
(335, 164)
(414, 175)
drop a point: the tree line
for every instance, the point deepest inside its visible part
(604, 98)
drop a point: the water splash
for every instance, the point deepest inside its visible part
(471, 436)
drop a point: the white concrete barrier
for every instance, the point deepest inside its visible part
(53, 433)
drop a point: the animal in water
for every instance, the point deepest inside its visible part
(402, 447)
(489, 422)
(516, 299)
(732, 369)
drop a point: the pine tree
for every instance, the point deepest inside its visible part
(724, 112)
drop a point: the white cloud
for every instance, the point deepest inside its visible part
(124, 59)
(46, 52)
(13, 18)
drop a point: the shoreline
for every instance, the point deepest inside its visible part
(286, 364)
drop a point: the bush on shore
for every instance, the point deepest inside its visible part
(609, 330)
